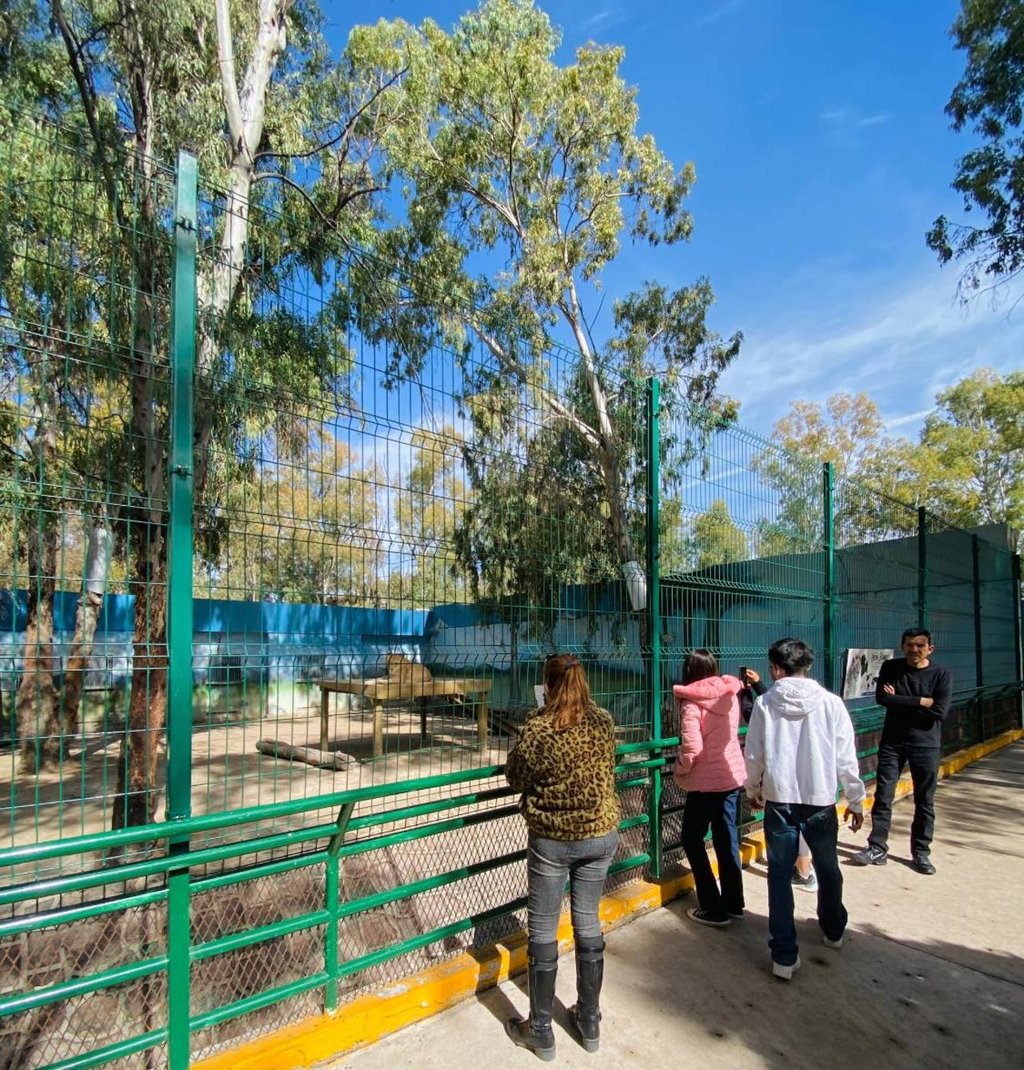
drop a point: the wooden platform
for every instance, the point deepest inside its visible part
(384, 689)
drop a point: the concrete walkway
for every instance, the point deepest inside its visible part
(931, 974)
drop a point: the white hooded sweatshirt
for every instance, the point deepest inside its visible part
(800, 744)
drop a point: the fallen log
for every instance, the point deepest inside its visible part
(331, 759)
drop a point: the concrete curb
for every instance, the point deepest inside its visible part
(375, 1015)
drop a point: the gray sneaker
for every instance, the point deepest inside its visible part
(871, 856)
(806, 884)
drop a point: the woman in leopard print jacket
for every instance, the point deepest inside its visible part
(564, 764)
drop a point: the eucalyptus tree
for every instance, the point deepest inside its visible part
(523, 178)
(283, 135)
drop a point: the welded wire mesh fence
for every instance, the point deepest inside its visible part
(389, 529)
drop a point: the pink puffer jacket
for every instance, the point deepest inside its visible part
(709, 758)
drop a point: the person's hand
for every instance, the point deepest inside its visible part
(751, 677)
(756, 802)
(856, 819)
(889, 689)
(927, 702)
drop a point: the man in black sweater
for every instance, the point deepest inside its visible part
(916, 694)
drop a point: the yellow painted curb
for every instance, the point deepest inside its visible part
(370, 1017)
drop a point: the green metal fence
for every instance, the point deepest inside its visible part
(248, 524)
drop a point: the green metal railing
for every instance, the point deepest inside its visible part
(284, 503)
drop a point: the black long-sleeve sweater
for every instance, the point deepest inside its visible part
(906, 720)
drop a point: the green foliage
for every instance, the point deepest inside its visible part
(967, 467)
(971, 457)
(521, 180)
(848, 432)
(988, 100)
(716, 538)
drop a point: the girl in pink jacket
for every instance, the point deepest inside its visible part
(710, 767)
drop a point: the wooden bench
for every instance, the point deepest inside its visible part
(396, 689)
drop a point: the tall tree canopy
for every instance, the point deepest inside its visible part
(989, 101)
(522, 179)
(967, 464)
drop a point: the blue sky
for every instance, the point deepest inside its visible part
(822, 154)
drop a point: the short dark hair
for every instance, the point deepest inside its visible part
(915, 633)
(791, 656)
(699, 665)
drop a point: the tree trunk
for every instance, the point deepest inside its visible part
(97, 564)
(36, 702)
(137, 793)
(147, 707)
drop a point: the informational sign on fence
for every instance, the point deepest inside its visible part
(862, 668)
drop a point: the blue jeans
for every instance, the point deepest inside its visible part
(783, 825)
(549, 864)
(719, 810)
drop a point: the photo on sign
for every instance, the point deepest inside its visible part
(862, 668)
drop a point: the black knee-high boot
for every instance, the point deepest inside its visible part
(589, 974)
(535, 1032)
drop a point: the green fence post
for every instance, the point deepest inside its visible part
(829, 621)
(179, 604)
(979, 672)
(922, 567)
(1018, 666)
(653, 682)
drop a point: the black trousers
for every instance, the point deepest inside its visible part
(924, 772)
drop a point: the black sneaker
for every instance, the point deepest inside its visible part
(702, 917)
(870, 856)
(923, 864)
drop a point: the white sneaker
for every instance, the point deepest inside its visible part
(785, 973)
(832, 943)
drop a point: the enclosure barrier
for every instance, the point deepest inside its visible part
(357, 524)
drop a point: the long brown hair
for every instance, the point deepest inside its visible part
(568, 697)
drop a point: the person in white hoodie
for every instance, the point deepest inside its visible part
(799, 746)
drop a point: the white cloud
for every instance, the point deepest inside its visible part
(901, 345)
(720, 9)
(604, 19)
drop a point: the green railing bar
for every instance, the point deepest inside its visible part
(236, 941)
(426, 884)
(258, 1002)
(424, 831)
(80, 986)
(28, 922)
(76, 882)
(647, 745)
(638, 782)
(633, 862)
(402, 814)
(118, 1050)
(634, 822)
(103, 841)
(650, 763)
(255, 872)
(414, 943)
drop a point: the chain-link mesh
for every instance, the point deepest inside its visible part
(80, 1024)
